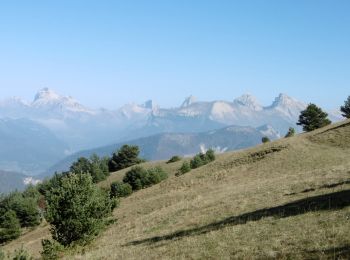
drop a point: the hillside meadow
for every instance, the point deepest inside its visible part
(288, 199)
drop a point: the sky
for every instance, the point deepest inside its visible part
(108, 53)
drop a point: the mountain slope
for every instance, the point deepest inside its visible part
(163, 146)
(28, 147)
(10, 181)
(289, 199)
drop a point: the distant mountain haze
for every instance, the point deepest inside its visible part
(163, 146)
(39, 133)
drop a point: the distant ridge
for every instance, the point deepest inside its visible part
(78, 127)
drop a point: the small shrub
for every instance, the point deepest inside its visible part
(291, 132)
(210, 155)
(184, 168)
(265, 139)
(173, 159)
(139, 178)
(22, 254)
(153, 176)
(197, 161)
(51, 249)
(120, 189)
(202, 159)
(2, 255)
(134, 176)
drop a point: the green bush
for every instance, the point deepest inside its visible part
(134, 176)
(139, 178)
(197, 161)
(120, 189)
(313, 118)
(10, 227)
(290, 133)
(2, 255)
(125, 157)
(184, 168)
(26, 208)
(265, 139)
(76, 209)
(202, 158)
(210, 155)
(173, 159)
(51, 249)
(153, 176)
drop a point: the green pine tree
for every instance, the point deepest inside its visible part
(313, 118)
(346, 108)
(10, 227)
(76, 208)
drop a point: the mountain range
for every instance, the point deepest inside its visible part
(53, 126)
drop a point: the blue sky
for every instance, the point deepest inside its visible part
(107, 53)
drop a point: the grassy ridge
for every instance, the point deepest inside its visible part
(285, 199)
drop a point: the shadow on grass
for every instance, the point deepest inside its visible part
(330, 201)
(326, 186)
(332, 253)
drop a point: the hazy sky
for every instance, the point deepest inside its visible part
(106, 53)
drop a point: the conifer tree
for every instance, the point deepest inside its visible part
(313, 118)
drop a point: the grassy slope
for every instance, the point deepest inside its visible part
(286, 199)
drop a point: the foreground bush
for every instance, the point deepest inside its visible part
(76, 209)
(139, 178)
(119, 189)
(173, 159)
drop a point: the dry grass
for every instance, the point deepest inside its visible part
(287, 199)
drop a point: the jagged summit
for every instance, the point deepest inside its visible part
(285, 100)
(46, 94)
(189, 101)
(50, 101)
(248, 101)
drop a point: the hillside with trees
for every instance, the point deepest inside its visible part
(296, 187)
